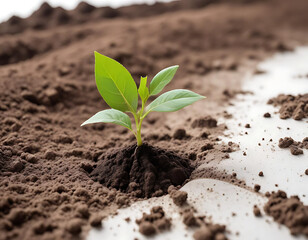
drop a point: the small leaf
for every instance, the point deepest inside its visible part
(143, 89)
(162, 79)
(173, 100)
(115, 84)
(110, 116)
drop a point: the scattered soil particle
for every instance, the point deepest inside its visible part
(295, 107)
(261, 174)
(189, 219)
(147, 228)
(289, 211)
(210, 232)
(285, 142)
(142, 171)
(295, 147)
(296, 151)
(257, 188)
(154, 222)
(247, 125)
(180, 134)
(267, 115)
(257, 211)
(96, 220)
(179, 197)
(205, 122)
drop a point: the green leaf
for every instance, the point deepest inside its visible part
(143, 89)
(115, 84)
(162, 79)
(173, 100)
(110, 116)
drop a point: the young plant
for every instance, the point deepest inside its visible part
(119, 90)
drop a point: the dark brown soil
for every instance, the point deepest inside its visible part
(47, 90)
(154, 222)
(295, 107)
(257, 211)
(288, 211)
(145, 171)
(295, 147)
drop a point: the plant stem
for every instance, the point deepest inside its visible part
(138, 136)
(138, 129)
(138, 119)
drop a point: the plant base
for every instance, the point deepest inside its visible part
(143, 171)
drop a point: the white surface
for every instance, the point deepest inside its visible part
(278, 165)
(220, 202)
(24, 8)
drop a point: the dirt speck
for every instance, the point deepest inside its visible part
(257, 211)
(257, 188)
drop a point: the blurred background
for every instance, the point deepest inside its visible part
(24, 9)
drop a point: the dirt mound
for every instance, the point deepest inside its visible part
(145, 171)
(48, 17)
(295, 107)
(288, 211)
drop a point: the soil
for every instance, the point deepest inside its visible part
(189, 219)
(211, 231)
(257, 211)
(289, 211)
(143, 171)
(295, 107)
(295, 147)
(178, 197)
(47, 90)
(154, 222)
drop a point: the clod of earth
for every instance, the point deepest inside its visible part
(210, 231)
(288, 211)
(257, 211)
(154, 222)
(189, 219)
(295, 107)
(179, 197)
(295, 147)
